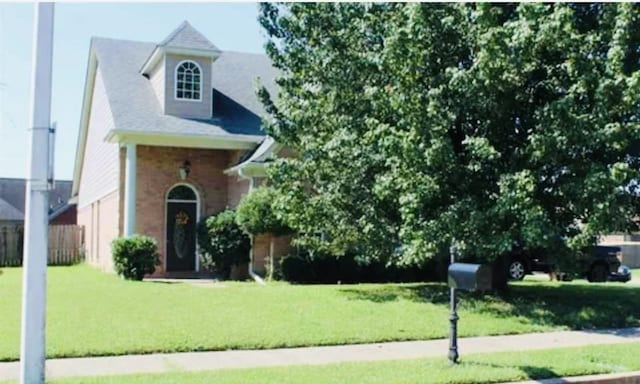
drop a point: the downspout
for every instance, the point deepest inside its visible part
(253, 275)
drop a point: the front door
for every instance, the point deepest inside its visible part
(181, 236)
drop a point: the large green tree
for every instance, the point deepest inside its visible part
(417, 124)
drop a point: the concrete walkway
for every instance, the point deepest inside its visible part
(203, 361)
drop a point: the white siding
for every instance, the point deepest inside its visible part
(157, 79)
(100, 221)
(100, 171)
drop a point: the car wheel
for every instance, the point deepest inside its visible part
(516, 270)
(598, 274)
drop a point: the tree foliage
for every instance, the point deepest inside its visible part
(257, 215)
(498, 126)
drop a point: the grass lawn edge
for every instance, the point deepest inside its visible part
(473, 368)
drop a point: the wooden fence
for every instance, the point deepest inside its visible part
(66, 244)
(11, 242)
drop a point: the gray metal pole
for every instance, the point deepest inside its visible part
(32, 354)
(453, 316)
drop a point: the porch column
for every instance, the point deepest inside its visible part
(130, 191)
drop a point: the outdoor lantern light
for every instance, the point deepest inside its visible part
(184, 169)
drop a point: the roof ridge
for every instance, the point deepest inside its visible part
(123, 40)
(244, 53)
(185, 36)
(175, 32)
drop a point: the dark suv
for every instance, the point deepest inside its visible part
(597, 263)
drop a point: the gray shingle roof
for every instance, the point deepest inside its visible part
(236, 109)
(185, 36)
(9, 213)
(12, 192)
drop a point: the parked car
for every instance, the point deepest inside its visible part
(597, 264)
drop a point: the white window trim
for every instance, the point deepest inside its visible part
(175, 82)
(166, 209)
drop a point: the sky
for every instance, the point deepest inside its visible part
(230, 26)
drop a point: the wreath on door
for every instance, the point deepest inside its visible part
(180, 241)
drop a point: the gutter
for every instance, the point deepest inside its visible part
(254, 275)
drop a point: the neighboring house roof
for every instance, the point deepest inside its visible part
(12, 192)
(58, 212)
(9, 213)
(185, 36)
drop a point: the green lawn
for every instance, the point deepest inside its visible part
(485, 368)
(93, 313)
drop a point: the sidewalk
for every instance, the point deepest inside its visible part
(203, 361)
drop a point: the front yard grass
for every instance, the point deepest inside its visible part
(90, 313)
(481, 368)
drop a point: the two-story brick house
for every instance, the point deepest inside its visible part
(169, 133)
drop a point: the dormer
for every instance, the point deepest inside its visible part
(179, 69)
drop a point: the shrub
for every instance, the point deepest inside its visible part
(222, 243)
(324, 267)
(135, 256)
(296, 269)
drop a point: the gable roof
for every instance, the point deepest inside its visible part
(9, 213)
(135, 108)
(12, 192)
(136, 111)
(183, 40)
(185, 36)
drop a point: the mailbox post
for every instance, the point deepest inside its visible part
(468, 277)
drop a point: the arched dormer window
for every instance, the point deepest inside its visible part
(188, 81)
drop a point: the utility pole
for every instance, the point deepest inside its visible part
(32, 353)
(453, 315)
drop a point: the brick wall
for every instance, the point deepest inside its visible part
(236, 188)
(261, 243)
(68, 217)
(158, 172)
(260, 253)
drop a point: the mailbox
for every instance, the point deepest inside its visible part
(470, 277)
